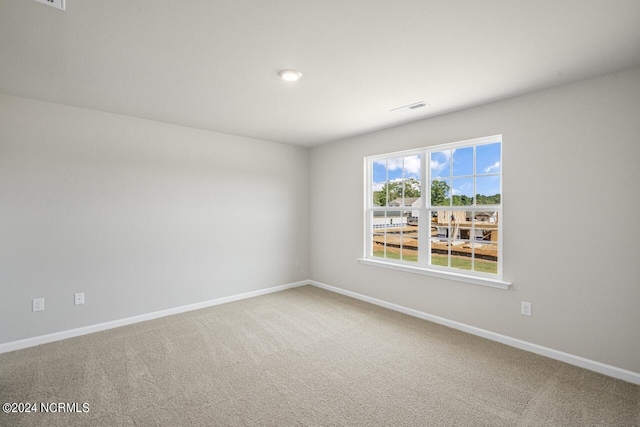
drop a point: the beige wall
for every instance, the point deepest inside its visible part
(139, 215)
(573, 151)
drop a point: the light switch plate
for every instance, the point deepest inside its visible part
(525, 308)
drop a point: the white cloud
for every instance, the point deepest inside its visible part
(377, 186)
(411, 164)
(493, 167)
(437, 166)
(462, 188)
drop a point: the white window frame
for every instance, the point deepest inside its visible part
(423, 266)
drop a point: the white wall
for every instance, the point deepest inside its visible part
(139, 215)
(571, 151)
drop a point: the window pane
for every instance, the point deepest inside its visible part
(457, 221)
(439, 256)
(394, 168)
(488, 190)
(411, 180)
(394, 184)
(388, 181)
(466, 230)
(451, 234)
(460, 250)
(377, 244)
(378, 183)
(440, 233)
(461, 255)
(440, 165)
(440, 224)
(462, 192)
(378, 230)
(395, 219)
(463, 161)
(412, 167)
(395, 224)
(410, 237)
(488, 158)
(393, 251)
(411, 192)
(486, 242)
(440, 192)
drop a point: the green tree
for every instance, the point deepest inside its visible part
(461, 200)
(411, 189)
(488, 200)
(439, 193)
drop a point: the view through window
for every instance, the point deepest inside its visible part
(458, 227)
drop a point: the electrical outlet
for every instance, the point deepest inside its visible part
(58, 4)
(79, 298)
(525, 308)
(297, 263)
(38, 304)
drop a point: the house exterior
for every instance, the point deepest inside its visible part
(400, 218)
(455, 222)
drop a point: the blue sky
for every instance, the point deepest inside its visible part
(449, 165)
(410, 164)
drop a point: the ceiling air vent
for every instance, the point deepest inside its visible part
(58, 4)
(410, 107)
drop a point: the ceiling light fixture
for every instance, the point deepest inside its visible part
(413, 106)
(290, 75)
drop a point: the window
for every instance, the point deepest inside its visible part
(452, 230)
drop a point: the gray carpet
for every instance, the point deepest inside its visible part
(305, 357)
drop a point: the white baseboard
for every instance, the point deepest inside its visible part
(612, 371)
(57, 336)
(592, 365)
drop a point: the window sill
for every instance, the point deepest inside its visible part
(494, 283)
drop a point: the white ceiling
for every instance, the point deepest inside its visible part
(213, 64)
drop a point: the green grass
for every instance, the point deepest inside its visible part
(462, 263)
(393, 255)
